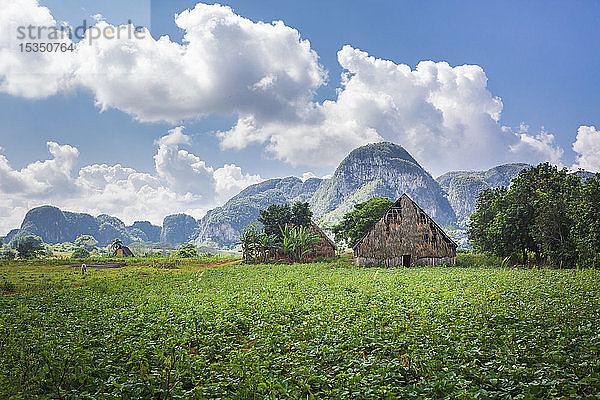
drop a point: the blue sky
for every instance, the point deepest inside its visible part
(540, 58)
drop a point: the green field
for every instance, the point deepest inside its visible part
(322, 330)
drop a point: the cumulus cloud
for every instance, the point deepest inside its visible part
(587, 146)
(183, 171)
(538, 148)
(266, 75)
(229, 181)
(31, 74)
(445, 116)
(226, 64)
(41, 178)
(182, 183)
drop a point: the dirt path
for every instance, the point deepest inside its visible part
(218, 264)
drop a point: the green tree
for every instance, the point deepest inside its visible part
(359, 221)
(275, 217)
(510, 231)
(80, 253)
(587, 223)
(88, 242)
(301, 214)
(28, 246)
(536, 214)
(555, 195)
(296, 242)
(6, 253)
(187, 251)
(249, 238)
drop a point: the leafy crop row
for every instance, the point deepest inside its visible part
(307, 331)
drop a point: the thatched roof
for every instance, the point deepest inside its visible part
(397, 204)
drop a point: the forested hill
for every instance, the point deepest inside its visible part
(462, 187)
(375, 170)
(53, 225)
(380, 170)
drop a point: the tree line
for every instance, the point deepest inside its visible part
(85, 246)
(547, 216)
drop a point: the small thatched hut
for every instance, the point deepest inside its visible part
(123, 251)
(324, 247)
(405, 236)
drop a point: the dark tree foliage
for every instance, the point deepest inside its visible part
(488, 205)
(187, 251)
(28, 246)
(277, 216)
(87, 242)
(301, 214)
(546, 212)
(587, 223)
(357, 222)
(81, 252)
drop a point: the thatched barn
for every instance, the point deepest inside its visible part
(405, 236)
(324, 247)
(123, 251)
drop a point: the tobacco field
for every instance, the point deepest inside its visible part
(300, 331)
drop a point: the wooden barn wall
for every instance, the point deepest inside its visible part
(405, 230)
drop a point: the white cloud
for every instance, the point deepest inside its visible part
(307, 175)
(230, 181)
(587, 145)
(31, 74)
(444, 116)
(182, 183)
(41, 178)
(538, 148)
(266, 75)
(183, 171)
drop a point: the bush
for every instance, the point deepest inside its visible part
(28, 246)
(81, 253)
(187, 251)
(7, 253)
(465, 259)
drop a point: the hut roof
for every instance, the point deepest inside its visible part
(397, 204)
(323, 234)
(126, 251)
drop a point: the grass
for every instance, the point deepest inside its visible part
(322, 330)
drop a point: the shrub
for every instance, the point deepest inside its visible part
(7, 286)
(7, 253)
(81, 253)
(28, 246)
(187, 251)
(467, 259)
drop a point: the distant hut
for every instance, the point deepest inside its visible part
(123, 251)
(324, 247)
(405, 236)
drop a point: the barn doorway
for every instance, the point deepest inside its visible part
(406, 260)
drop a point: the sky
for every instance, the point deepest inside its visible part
(214, 97)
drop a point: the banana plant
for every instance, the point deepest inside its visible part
(288, 243)
(249, 239)
(306, 238)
